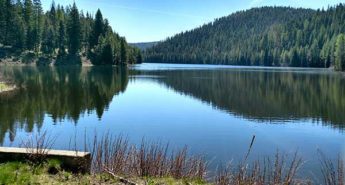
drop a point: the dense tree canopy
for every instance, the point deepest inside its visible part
(62, 33)
(267, 36)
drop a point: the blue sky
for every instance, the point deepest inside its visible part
(153, 20)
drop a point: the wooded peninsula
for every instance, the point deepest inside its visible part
(60, 36)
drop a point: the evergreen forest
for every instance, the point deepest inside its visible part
(62, 35)
(266, 36)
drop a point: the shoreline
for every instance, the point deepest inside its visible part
(10, 62)
(112, 159)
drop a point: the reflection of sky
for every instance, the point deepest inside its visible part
(150, 110)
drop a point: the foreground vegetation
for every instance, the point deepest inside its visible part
(63, 35)
(50, 173)
(115, 161)
(267, 36)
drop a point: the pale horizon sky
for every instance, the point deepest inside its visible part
(154, 20)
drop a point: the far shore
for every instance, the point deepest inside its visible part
(11, 62)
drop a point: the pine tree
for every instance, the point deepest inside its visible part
(123, 53)
(48, 39)
(98, 29)
(61, 42)
(52, 15)
(340, 53)
(86, 29)
(18, 27)
(61, 38)
(2, 21)
(28, 9)
(8, 22)
(73, 30)
(37, 29)
(28, 19)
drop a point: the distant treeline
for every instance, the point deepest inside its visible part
(267, 36)
(62, 34)
(143, 45)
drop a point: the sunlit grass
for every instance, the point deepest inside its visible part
(3, 86)
(14, 172)
(26, 173)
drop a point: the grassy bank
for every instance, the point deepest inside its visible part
(50, 172)
(115, 161)
(277, 172)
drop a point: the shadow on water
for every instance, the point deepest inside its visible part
(61, 93)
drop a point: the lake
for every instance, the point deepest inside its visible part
(214, 110)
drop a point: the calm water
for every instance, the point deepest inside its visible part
(215, 110)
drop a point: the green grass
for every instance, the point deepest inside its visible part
(25, 173)
(172, 181)
(14, 172)
(4, 86)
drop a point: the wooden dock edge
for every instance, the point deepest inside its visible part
(75, 161)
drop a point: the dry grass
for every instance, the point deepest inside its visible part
(278, 171)
(115, 156)
(333, 174)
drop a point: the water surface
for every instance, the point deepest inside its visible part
(214, 110)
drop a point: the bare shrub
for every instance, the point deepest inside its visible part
(38, 147)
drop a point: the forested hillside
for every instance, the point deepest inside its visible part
(267, 36)
(63, 35)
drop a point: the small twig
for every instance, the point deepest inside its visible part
(121, 179)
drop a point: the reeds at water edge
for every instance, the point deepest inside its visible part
(117, 157)
(333, 173)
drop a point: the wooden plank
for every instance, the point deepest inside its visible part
(75, 161)
(66, 153)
